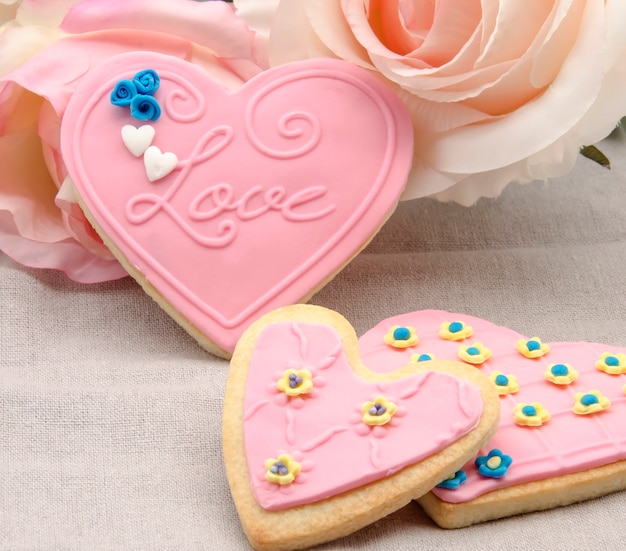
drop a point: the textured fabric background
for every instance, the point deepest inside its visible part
(110, 414)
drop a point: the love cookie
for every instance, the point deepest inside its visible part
(226, 205)
(562, 432)
(317, 446)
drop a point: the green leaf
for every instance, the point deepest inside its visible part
(593, 153)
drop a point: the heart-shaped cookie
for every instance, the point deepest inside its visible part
(317, 446)
(563, 414)
(244, 201)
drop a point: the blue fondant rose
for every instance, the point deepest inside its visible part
(454, 482)
(123, 93)
(147, 81)
(138, 94)
(145, 108)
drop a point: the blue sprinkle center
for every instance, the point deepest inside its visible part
(589, 399)
(473, 351)
(533, 345)
(402, 334)
(502, 380)
(424, 358)
(559, 370)
(529, 411)
(455, 327)
(612, 361)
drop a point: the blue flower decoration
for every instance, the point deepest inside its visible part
(145, 108)
(147, 81)
(454, 481)
(138, 95)
(123, 93)
(493, 465)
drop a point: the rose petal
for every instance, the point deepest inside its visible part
(18, 44)
(31, 207)
(231, 72)
(68, 256)
(466, 189)
(400, 24)
(566, 21)
(610, 105)
(43, 13)
(615, 35)
(535, 125)
(55, 71)
(211, 24)
(453, 26)
(511, 35)
(295, 33)
(259, 16)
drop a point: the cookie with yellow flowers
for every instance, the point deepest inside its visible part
(562, 435)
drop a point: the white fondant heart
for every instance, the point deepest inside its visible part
(158, 165)
(137, 140)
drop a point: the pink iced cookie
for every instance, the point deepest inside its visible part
(317, 446)
(562, 433)
(225, 205)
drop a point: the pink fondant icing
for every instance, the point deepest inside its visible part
(258, 196)
(324, 431)
(565, 444)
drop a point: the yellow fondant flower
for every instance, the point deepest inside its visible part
(455, 331)
(295, 382)
(401, 337)
(590, 402)
(613, 364)
(474, 354)
(282, 470)
(530, 415)
(532, 348)
(378, 412)
(505, 384)
(425, 357)
(560, 374)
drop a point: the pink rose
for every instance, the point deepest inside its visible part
(499, 91)
(45, 49)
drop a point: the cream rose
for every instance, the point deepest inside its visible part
(499, 90)
(41, 63)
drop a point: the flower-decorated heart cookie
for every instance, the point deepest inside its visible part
(562, 432)
(225, 205)
(317, 446)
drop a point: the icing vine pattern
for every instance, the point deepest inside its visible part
(325, 429)
(186, 104)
